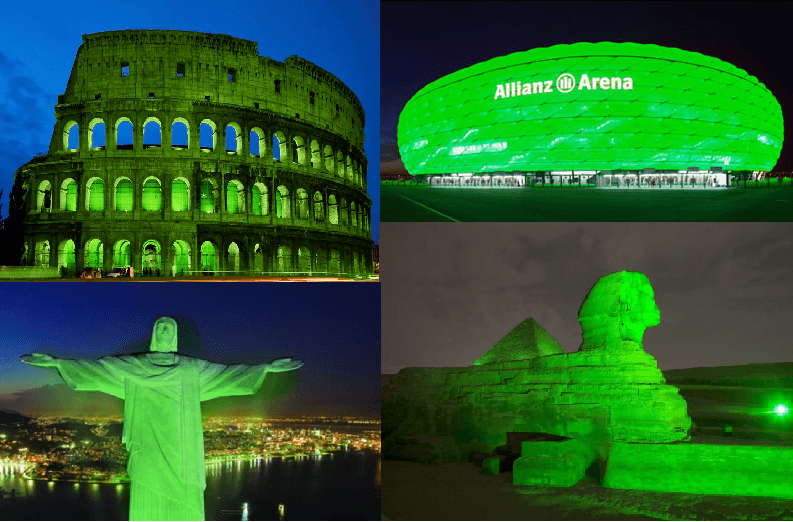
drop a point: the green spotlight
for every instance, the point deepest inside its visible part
(781, 410)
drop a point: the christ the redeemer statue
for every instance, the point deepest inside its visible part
(163, 433)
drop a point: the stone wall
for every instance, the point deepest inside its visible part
(701, 468)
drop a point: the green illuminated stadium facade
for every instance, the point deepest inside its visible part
(282, 189)
(614, 114)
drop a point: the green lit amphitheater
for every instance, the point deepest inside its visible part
(606, 114)
(287, 196)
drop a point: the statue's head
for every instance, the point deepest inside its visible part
(618, 308)
(163, 338)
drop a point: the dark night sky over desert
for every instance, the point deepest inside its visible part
(725, 291)
(423, 41)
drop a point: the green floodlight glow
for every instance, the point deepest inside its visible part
(781, 410)
(163, 437)
(592, 106)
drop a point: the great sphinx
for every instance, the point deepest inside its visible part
(610, 390)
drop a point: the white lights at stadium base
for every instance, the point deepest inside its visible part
(470, 180)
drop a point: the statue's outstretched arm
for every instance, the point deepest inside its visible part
(105, 375)
(39, 359)
(219, 380)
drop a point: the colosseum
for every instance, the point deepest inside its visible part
(281, 189)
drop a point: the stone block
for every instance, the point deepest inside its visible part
(560, 471)
(702, 468)
(492, 465)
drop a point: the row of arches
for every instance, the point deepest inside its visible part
(283, 258)
(303, 151)
(306, 207)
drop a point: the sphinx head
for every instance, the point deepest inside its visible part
(163, 338)
(617, 310)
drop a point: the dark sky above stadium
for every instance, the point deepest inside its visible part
(423, 41)
(333, 328)
(39, 41)
(725, 291)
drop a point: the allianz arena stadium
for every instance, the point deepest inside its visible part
(608, 114)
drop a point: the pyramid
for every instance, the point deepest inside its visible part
(528, 340)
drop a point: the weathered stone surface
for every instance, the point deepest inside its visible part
(616, 312)
(601, 394)
(551, 463)
(286, 194)
(528, 340)
(701, 468)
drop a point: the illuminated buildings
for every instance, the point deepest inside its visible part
(610, 114)
(281, 189)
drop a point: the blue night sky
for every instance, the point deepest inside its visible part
(333, 328)
(38, 44)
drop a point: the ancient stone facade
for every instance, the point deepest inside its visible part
(185, 208)
(611, 390)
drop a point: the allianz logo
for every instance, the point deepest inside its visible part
(565, 83)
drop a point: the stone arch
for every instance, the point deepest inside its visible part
(94, 254)
(360, 217)
(299, 151)
(343, 210)
(353, 215)
(355, 263)
(121, 253)
(258, 258)
(261, 142)
(153, 120)
(284, 254)
(69, 195)
(340, 164)
(43, 253)
(209, 196)
(237, 138)
(304, 259)
(67, 127)
(66, 257)
(180, 194)
(186, 124)
(91, 129)
(212, 127)
(151, 198)
(151, 255)
(350, 176)
(123, 194)
(233, 259)
(319, 214)
(95, 194)
(301, 210)
(126, 146)
(282, 202)
(209, 259)
(333, 210)
(181, 258)
(44, 197)
(279, 144)
(235, 197)
(329, 159)
(320, 260)
(316, 155)
(259, 201)
(334, 264)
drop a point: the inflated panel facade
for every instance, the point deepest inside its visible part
(601, 106)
